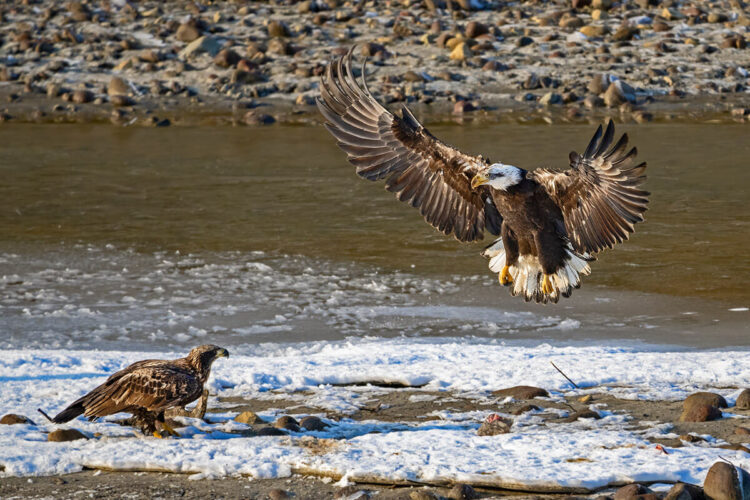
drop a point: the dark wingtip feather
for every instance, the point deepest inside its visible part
(609, 134)
(594, 142)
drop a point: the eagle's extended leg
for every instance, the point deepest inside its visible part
(146, 421)
(170, 430)
(510, 243)
(547, 286)
(163, 421)
(551, 252)
(505, 277)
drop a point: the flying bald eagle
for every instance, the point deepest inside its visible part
(551, 223)
(146, 389)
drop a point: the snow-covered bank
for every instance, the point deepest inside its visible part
(586, 454)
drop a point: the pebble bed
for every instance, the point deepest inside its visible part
(258, 63)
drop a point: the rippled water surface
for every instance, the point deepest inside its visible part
(112, 236)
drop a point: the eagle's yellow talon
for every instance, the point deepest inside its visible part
(170, 430)
(505, 276)
(157, 435)
(547, 286)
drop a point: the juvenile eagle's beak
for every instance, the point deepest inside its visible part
(222, 353)
(479, 180)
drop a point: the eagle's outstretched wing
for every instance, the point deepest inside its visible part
(416, 166)
(600, 195)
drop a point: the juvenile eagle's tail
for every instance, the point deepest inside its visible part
(528, 275)
(67, 414)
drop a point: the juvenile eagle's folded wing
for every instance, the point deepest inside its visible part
(600, 195)
(154, 387)
(420, 169)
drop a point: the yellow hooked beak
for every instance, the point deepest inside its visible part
(222, 353)
(479, 180)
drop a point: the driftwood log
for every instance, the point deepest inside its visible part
(476, 481)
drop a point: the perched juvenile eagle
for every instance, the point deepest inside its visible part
(147, 388)
(550, 223)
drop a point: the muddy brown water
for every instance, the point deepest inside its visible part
(88, 211)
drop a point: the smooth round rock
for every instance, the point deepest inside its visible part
(743, 400)
(226, 58)
(62, 435)
(461, 52)
(700, 413)
(705, 398)
(613, 97)
(287, 422)
(631, 491)
(82, 96)
(188, 32)
(723, 482)
(277, 29)
(248, 417)
(117, 86)
(550, 98)
(521, 392)
(683, 491)
(475, 29)
(278, 494)
(12, 419)
(313, 423)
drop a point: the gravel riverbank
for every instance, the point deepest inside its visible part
(146, 63)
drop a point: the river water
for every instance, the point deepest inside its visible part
(165, 238)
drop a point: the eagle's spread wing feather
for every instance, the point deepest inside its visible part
(417, 167)
(600, 196)
(153, 385)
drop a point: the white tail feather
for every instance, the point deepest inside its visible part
(528, 275)
(496, 253)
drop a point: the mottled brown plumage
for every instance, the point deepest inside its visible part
(551, 223)
(147, 388)
(416, 166)
(599, 196)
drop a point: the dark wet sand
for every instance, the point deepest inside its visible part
(129, 485)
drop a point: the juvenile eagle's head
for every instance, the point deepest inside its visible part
(499, 176)
(203, 356)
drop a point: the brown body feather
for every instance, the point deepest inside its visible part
(147, 388)
(532, 224)
(550, 222)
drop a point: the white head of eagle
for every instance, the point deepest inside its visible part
(499, 176)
